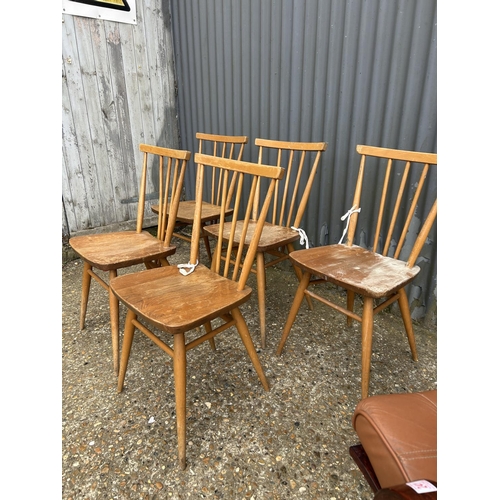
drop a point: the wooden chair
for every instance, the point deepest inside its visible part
(224, 146)
(109, 252)
(289, 203)
(379, 277)
(175, 301)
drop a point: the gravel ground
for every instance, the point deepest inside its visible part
(243, 442)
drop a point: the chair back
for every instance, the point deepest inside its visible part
(300, 160)
(223, 146)
(171, 165)
(241, 174)
(400, 202)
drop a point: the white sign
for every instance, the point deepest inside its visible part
(121, 11)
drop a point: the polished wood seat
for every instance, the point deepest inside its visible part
(110, 252)
(178, 300)
(357, 269)
(379, 278)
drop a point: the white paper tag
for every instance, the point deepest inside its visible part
(422, 486)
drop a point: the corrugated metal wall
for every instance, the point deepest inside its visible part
(118, 90)
(344, 72)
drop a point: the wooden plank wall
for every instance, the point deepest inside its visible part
(118, 90)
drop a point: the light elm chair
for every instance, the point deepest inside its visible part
(378, 275)
(113, 251)
(173, 301)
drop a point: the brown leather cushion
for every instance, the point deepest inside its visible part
(399, 435)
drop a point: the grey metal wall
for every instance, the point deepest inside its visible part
(340, 71)
(118, 90)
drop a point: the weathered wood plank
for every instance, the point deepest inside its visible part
(139, 98)
(95, 81)
(71, 167)
(123, 166)
(170, 124)
(76, 136)
(158, 69)
(118, 92)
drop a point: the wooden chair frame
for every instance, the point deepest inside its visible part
(289, 203)
(110, 252)
(353, 268)
(177, 304)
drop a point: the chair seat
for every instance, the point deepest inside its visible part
(209, 212)
(399, 434)
(160, 295)
(355, 268)
(185, 212)
(118, 250)
(272, 235)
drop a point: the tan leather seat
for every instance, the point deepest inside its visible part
(399, 435)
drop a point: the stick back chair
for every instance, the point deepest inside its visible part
(112, 251)
(290, 199)
(224, 146)
(168, 301)
(378, 275)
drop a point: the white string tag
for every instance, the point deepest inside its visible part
(348, 215)
(303, 236)
(190, 268)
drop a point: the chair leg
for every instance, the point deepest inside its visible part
(298, 273)
(86, 278)
(404, 307)
(350, 305)
(366, 344)
(261, 295)
(297, 301)
(128, 337)
(208, 329)
(247, 341)
(180, 395)
(114, 314)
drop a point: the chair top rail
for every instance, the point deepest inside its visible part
(270, 171)
(397, 154)
(299, 146)
(237, 139)
(160, 151)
